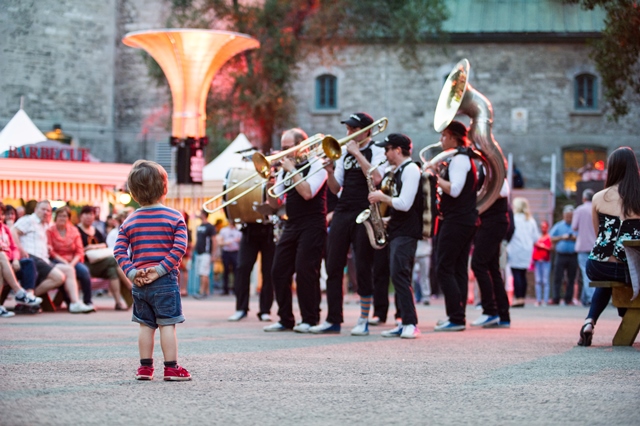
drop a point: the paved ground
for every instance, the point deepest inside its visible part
(61, 369)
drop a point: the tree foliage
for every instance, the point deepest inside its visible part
(616, 54)
(255, 88)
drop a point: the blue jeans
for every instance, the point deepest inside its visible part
(541, 271)
(587, 292)
(605, 271)
(158, 303)
(84, 279)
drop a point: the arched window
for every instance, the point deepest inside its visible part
(326, 92)
(585, 92)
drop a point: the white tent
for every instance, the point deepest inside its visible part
(20, 131)
(217, 169)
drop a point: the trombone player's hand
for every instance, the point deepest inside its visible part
(288, 164)
(353, 147)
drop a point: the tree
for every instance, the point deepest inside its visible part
(617, 52)
(254, 88)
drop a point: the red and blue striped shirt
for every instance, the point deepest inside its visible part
(157, 236)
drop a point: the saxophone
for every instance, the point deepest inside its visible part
(371, 217)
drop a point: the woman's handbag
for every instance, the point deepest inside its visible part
(96, 255)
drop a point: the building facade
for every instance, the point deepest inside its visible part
(529, 58)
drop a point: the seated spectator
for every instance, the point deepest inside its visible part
(23, 269)
(29, 234)
(66, 248)
(113, 224)
(10, 216)
(106, 268)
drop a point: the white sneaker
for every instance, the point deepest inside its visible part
(375, 321)
(395, 332)
(325, 328)
(237, 316)
(486, 321)
(80, 308)
(303, 327)
(361, 328)
(265, 317)
(4, 313)
(275, 327)
(409, 332)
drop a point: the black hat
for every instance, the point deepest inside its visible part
(359, 120)
(396, 139)
(457, 129)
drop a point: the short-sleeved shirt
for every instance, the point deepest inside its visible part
(34, 240)
(582, 223)
(204, 234)
(563, 246)
(233, 236)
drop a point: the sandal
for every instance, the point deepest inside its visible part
(586, 335)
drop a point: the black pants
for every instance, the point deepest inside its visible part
(256, 238)
(230, 262)
(344, 232)
(454, 244)
(564, 262)
(519, 282)
(403, 251)
(299, 251)
(486, 267)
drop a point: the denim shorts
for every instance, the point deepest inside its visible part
(158, 303)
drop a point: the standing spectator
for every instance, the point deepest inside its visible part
(582, 223)
(564, 238)
(157, 247)
(229, 240)
(29, 234)
(520, 248)
(205, 251)
(542, 264)
(66, 248)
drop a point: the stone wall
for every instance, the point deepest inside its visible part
(535, 77)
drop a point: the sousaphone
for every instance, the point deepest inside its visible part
(459, 97)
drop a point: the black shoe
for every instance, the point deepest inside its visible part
(586, 335)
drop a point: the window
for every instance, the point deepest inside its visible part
(326, 92)
(586, 92)
(576, 160)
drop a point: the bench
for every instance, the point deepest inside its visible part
(630, 324)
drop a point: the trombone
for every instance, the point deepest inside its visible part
(332, 151)
(263, 166)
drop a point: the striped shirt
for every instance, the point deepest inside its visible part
(157, 236)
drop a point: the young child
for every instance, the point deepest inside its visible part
(157, 237)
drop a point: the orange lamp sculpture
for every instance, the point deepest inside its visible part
(190, 58)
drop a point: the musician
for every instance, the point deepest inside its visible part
(256, 238)
(404, 228)
(494, 224)
(349, 179)
(300, 248)
(457, 225)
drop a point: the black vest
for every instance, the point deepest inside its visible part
(309, 212)
(409, 223)
(461, 209)
(354, 186)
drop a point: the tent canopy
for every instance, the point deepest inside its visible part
(20, 131)
(217, 169)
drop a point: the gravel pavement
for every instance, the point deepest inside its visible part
(63, 369)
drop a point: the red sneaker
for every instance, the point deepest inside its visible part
(144, 373)
(177, 374)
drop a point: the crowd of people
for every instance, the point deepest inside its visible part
(38, 255)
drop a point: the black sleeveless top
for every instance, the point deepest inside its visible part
(409, 223)
(308, 212)
(354, 187)
(461, 209)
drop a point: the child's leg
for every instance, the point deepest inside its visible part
(169, 342)
(145, 341)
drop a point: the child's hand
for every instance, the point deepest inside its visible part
(140, 278)
(151, 275)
